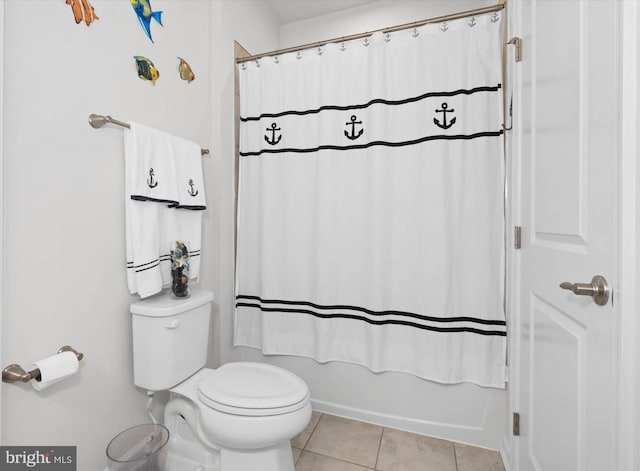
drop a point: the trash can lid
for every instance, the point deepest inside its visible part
(137, 443)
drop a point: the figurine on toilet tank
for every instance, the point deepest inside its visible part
(180, 270)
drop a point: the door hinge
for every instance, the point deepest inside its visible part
(517, 237)
(516, 424)
(517, 42)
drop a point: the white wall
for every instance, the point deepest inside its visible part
(370, 17)
(63, 194)
(465, 412)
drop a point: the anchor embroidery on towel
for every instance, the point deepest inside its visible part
(150, 181)
(273, 141)
(191, 191)
(444, 111)
(353, 123)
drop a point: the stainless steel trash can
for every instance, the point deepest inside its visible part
(139, 448)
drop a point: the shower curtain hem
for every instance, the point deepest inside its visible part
(324, 360)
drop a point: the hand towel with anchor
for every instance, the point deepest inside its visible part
(187, 218)
(154, 219)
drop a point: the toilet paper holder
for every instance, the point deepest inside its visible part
(14, 372)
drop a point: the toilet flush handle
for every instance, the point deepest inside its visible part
(174, 324)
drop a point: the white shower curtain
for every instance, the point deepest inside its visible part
(371, 203)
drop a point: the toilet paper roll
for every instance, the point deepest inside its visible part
(55, 368)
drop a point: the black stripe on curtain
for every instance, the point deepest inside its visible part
(354, 312)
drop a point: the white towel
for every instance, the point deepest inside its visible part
(149, 180)
(152, 221)
(187, 218)
(190, 182)
(152, 173)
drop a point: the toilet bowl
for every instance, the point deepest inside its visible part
(243, 422)
(238, 417)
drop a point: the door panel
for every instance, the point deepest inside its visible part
(557, 123)
(569, 158)
(558, 340)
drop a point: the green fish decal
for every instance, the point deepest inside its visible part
(146, 69)
(145, 13)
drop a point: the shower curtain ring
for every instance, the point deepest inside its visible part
(415, 33)
(387, 37)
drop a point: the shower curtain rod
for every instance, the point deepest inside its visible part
(97, 121)
(415, 24)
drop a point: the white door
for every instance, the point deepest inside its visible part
(569, 102)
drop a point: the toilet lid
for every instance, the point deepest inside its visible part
(253, 389)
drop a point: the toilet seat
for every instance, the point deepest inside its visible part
(253, 389)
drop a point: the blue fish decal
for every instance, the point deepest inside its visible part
(144, 14)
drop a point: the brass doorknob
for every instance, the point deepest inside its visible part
(598, 289)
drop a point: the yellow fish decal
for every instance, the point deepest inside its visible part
(185, 71)
(146, 69)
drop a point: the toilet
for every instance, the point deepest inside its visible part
(238, 417)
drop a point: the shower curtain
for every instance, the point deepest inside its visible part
(371, 203)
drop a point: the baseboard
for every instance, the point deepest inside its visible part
(467, 435)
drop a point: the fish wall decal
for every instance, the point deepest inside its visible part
(145, 13)
(185, 71)
(82, 9)
(146, 69)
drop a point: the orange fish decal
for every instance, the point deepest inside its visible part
(82, 10)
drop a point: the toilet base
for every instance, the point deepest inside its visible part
(276, 458)
(189, 462)
(187, 452)
(185, 455)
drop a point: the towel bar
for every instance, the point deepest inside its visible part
(14, 372)
(97, 121)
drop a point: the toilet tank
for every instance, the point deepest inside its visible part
(170, 338)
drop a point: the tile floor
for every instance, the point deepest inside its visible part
(331, 443)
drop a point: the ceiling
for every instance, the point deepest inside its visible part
(288, 11)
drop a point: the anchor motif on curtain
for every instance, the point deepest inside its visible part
(273, 141)
(150, 181)
(191, 191)
(444, 111)
(353, 123)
